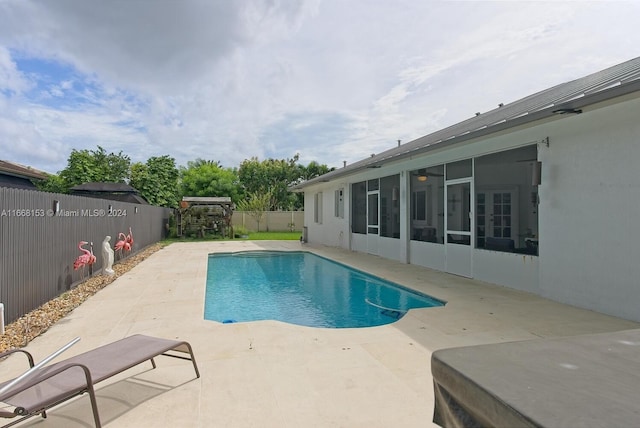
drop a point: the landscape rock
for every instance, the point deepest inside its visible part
(20, 332)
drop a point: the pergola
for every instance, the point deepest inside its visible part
(200, 215)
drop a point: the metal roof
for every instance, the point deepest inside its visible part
(17, 170)
(567, 97)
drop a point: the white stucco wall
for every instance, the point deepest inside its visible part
(589, 212)
(333, 231)
(517, 271)
(427, 254)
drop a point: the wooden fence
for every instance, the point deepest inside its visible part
(272, 221)
(39, 236)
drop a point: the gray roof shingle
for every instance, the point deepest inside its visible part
(612, 82)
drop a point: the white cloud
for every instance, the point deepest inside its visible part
(228, 80)
(11, 80)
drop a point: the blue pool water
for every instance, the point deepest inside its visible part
(302, 288)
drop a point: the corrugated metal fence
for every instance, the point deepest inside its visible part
(273, 221)
(39, 236)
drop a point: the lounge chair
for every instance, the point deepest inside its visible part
(53, 384)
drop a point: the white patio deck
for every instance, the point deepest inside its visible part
(271, 374)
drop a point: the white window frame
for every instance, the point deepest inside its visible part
(317, 212)
(339, 203)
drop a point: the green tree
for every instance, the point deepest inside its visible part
(314, 169)
(271, 176)
(84, 166)
(53, 183)
(208, 178)
(157, 180)
(275, 176)
(256, 204)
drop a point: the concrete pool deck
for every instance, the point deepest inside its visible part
(272, 374)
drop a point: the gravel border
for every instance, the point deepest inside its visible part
(20, 332)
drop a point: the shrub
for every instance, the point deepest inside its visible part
(240, 231)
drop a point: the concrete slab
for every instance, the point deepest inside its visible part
(272, 374)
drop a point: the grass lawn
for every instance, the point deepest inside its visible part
(275, 236)
(253, 236)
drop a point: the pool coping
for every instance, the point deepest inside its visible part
(273, 374)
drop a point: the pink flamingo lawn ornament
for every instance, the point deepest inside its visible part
(129, 239)
(122, 244)
(87, 258)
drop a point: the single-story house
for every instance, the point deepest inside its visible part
(538, 195)
(19, 176)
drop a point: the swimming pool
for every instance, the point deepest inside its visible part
(304, 289)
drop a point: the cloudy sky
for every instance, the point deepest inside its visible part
(332, 80)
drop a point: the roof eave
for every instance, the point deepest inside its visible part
(549, 112)
(22, 172)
